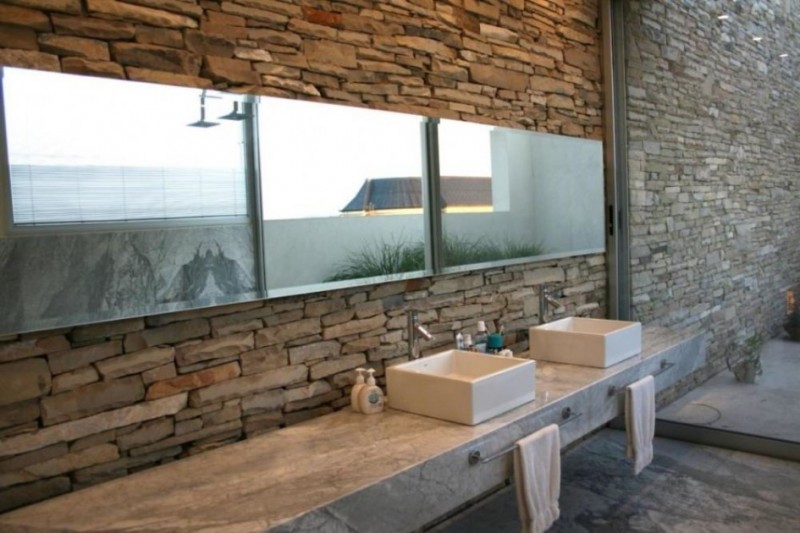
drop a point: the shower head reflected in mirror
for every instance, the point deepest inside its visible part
(235, 114)
(203, 123)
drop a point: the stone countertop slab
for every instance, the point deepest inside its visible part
(290, 476)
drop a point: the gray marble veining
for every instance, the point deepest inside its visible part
(66, 279)
(347, 472)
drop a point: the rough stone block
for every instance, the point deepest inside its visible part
(162, 373)
(154, 17)
(354, 326)
(14, 350)
(68, 45)
(188, 426)
(79, 65)
(186, 437)
(158, 58)
(208, 44)
(26, 459)
(74, 379)
(263, 359)
(231, 70)
(343, 55)
(311, 390)
(499, 77)
(33, 492)
(243, 386)
(544, 275)
(310, 352)
(91, 399)
(24, 380)
(76, 429)
(17, 37)
(464, 283)
(136, 362)
(62, 6)
(216, 348)
(194, 380)
(22, 16)
(312, 402)
(263, 401)
(327, 368)
(73, 461)
(19, 413)
(95, 28)
(288, 332)
(362, 344)
(159, 36)
(65, 361)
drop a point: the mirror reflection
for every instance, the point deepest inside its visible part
(122, 199)
(341, 194)
(517, 194)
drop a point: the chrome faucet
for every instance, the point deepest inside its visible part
(546, 298)
(415, 329)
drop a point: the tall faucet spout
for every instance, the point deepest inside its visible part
(546, 300)
(415, 330)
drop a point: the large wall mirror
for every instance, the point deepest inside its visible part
(121, 199)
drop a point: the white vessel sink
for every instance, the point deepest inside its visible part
(586, 341)
(460, 386)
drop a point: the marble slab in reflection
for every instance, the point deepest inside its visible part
(56, 280)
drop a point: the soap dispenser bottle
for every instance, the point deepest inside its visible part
(371, 396)
(359, 385)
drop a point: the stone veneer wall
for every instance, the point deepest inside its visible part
(84, 405)
(714, 130)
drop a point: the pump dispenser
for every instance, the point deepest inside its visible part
(359, 385)
(370, 398)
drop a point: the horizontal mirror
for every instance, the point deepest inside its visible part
(122, 199)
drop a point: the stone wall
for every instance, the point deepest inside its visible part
(713, 119)
(84, 405)
(95, 402)
(532, 64)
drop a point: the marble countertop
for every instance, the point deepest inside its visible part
(268, 480)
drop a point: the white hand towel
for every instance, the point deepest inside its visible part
(537, 470)
(640, 421)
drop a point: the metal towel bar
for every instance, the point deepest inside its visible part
(665, 365)
(475, 458)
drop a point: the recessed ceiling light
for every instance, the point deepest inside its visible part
(724, 17)
(784, 55)
(757, 39)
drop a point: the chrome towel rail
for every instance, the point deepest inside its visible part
(475, 458)
(665, 365)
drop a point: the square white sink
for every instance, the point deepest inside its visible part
(460, 386)
(586, 341)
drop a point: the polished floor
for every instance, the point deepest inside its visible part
(688, 488)
(767, 408)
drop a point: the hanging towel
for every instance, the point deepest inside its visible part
(537, 470)
(640, 421)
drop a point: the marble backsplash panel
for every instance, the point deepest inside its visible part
(55, 280)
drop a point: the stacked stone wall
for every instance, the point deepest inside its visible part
(713, 120)
(92, 403)
(82, 405)
(531, 64)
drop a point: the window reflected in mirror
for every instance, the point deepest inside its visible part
(88, 150)
(126, 199)
(516, 195)
(341, 194)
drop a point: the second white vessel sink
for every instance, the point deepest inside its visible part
(460, 386)
(586, 341)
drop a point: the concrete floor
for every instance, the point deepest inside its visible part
(767, 408)
(688, 488)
